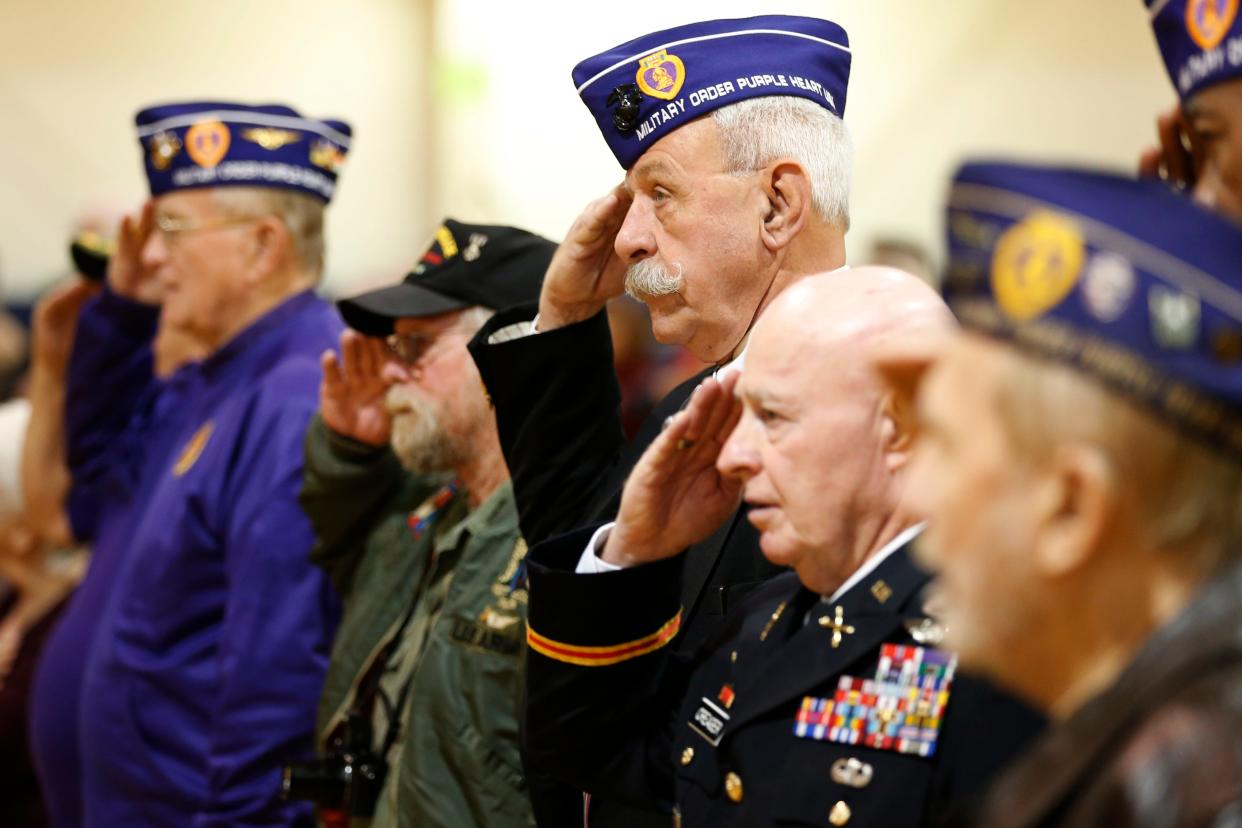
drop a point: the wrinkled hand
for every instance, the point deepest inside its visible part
(55, 321)
(351, 396)
(127, 275)
(1174, 159)
(675, 497)
(586, 271)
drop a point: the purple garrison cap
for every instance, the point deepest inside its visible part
(644, 89)
(1123, 279)
(1200, 41)
(214, 144)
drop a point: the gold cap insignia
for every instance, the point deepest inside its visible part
(207, 142)
(1036, 265)
(327, 155)
(164, 147)
(271, 139)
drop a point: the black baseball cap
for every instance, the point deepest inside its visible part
(492, 266)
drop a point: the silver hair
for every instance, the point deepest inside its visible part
(1187, 492)
(649, 278)
(758, 131)
(302, 214)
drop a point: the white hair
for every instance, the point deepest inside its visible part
(649, 278)
(758, 131)
(302, 214)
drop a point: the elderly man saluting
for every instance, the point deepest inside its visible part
(826, 701)
(737, 185)
(211, 649)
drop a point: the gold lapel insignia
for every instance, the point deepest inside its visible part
(881, 591)
(837, 625)
(776, 616)
(193, 449)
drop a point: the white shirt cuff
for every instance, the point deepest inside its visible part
(515, 331)
(591, 563)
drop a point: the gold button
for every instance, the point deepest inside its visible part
(687, 756)
(733, 656)
(733, 786)
(840, 813)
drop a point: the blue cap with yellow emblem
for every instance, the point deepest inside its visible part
(1121, 278)
(214, 144)
(1200, 41)
(645, 88)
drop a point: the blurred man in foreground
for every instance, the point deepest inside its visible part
(213, 627)
(414, 520)
(1079, 464)
(826, 700)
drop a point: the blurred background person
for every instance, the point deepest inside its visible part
(414, 519)
(210, 643)
(1200, 140)
(1079, 461)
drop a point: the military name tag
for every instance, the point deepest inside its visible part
(899, 710)
(709, 722)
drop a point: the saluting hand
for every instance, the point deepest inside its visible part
(1174, 159)
(54, 323)
(586, 271)
(351, 396)
(675, 497)
(128, 276)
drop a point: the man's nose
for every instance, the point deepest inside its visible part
(1206, 191)
(395, 372)
(635, 241)
(154, 251)
(739, 458)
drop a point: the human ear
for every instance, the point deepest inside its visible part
(271, 246)
(897, 425)
(788, 192)
(1076, 498)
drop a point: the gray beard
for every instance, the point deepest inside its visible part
(419, 441)
(649, 278)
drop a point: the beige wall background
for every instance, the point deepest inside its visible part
(74, 72)
(932, 82)
(465, 107)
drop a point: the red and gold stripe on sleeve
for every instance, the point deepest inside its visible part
(603, 656)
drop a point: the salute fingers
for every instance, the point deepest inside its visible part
(711, 415)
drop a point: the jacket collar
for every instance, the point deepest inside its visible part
(1202, 638)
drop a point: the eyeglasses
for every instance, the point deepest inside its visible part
(412, 347)
(172, 227)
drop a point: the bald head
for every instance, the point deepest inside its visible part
(823, 442)
(858, 307)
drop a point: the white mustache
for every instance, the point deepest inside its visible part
(650, 278)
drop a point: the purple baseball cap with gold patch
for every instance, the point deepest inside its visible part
(1200, 41)
(216, 144)
(644, 89)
